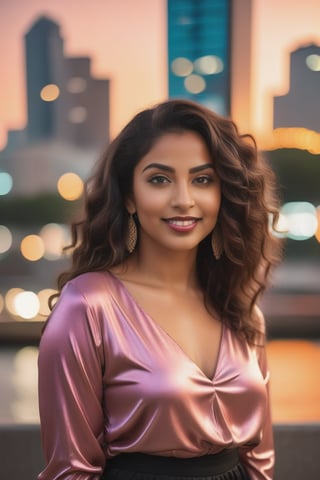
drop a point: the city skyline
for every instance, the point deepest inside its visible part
(114, 25)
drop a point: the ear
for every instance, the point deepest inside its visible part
(130, 205)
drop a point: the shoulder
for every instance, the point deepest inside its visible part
(90, 281)
(80, 306)
(83, 296)
(92, 286)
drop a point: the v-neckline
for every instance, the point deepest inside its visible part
(163, 331)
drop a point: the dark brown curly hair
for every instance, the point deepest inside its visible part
(232, 284)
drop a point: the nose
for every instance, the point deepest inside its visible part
(182, 197)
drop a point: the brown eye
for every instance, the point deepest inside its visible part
(158, 179)
(204, 179)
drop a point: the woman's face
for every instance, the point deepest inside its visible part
(176, 193)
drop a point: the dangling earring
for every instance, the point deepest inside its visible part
(216, 242)
(132, 234)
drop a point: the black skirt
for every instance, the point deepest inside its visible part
(224, 465)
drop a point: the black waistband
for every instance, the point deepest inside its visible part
(206, 465)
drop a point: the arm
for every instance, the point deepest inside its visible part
(259, 461)
(70, 391)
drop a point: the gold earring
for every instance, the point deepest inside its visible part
(216, 242)
(132, 234)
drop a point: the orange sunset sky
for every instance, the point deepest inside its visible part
(127, 42)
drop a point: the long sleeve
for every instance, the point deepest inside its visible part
(71, 392)
(259, 461)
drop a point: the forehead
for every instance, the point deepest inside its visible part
(172, 147)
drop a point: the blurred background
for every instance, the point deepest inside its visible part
(74, 72)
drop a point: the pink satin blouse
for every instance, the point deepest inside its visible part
(111, 380)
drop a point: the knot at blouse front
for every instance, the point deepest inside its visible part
(111, 380)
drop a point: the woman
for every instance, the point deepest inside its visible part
(153, 360)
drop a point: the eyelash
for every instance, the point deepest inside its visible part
(207, 178)
(158, 179)
(201, 180)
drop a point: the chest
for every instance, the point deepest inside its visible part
(187, 322)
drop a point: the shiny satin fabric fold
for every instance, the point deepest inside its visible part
(111, 381)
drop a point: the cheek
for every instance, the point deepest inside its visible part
(212, 202)
(149, 202)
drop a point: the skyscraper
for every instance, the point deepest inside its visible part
(300, 107)
(44, 66)
(64, 101)
(199, 40)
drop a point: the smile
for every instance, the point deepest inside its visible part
(182, 225)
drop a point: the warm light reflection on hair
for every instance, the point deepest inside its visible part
(70, 186)
(32, 247)
(43, 297)
(9, 299)
(5, 239)
(50, 92)
(26, 304)
(195, 84)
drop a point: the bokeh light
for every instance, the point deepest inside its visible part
(301, 138)
(76, 85)
(209, 65)
(317, 234)
(53, 237)
(78, 114)
(6, 183)
(195, 84)
(32, 247)
(24, 407)
(70, 186)
(50, 92)
(9, 299)
(43, 296)
(1, 303)
(5, 239)
(290, 360)
(281, 227)
(313, 62)
(301, 220)
(26, 304)
(181, 66)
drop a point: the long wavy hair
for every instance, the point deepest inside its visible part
(232, 284)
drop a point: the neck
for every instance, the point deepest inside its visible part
(169, 269)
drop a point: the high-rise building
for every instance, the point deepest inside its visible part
(199, 41)
(44, 66)
(300, 107)
(64, 101)
(210, 55)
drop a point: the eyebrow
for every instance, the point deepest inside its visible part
(166, 168)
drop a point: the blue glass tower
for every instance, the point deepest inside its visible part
(199, 52)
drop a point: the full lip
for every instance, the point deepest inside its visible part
(182, 225)
(182, 221)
